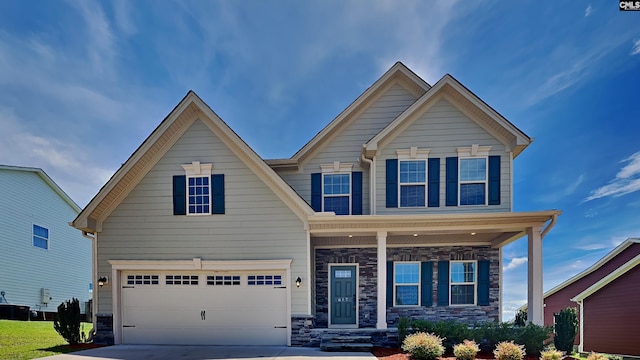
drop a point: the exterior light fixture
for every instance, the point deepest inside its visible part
(102, 280)
(350, 236)
(473, 233)
(414, 235)
(298, 281)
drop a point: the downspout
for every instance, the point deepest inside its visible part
(549, 227)
(94, 280)
(371, 182)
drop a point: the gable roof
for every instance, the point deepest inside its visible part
(613, 253)
(397, 74)
(52, 184)
(608, 279)
(471, 105)
(174, 125)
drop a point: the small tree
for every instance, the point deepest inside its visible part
(566, 329)
(67, 321)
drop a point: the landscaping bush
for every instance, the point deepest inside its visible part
(451, 332)
(466, 350)
(597, 356)
(533, 337)
(521, 318)
(423, 346)
(490, 334)
(566, 329)
(551, 354)
(404, 326)
(507, 350)
(67, 321)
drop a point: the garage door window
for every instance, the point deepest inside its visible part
(264, 280)
(181, 279)
(142, 279)
(222, 280)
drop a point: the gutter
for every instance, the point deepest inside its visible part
(94, 280)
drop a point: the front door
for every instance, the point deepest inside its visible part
(343, 292)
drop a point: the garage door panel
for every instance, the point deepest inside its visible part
(205, 313)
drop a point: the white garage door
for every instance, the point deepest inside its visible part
(204, 308)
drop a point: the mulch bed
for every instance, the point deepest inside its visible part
(396, 354)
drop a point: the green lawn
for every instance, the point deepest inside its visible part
(21, 340)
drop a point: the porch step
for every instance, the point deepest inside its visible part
(357, 343)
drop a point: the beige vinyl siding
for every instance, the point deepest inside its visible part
(257, 225)
(443, 128)
(347, 146)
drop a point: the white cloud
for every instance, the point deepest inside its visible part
(636, 47)
(514, 263)
(588, 10)
(627, 180)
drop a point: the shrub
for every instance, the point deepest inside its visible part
(566, 329)
(533, 337)
(597, 356)
(521, 318)
(423, 346)
(67, 321)
(507, 350)
(404, 325)
(551, 354)
(491, 333)
(466, 350)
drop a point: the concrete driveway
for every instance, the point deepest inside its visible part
(170, 352)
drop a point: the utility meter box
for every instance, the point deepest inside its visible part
(46, 296)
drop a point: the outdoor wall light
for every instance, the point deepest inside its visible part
(298, 281)
(102, 280)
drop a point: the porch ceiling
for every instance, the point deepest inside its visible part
(495, 229)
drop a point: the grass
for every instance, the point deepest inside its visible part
(22, 340)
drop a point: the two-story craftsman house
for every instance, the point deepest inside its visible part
(400, 206)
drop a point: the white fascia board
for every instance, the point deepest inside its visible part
(607, 279)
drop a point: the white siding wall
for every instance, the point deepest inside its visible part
(347, 146)
(65, 268)
(443, 129)
(256, 225)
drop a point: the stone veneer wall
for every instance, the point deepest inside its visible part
(367, 283)
(367, 289)
(470, 314)
(104, 329)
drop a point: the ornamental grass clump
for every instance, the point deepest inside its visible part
(597, 356)
(423, 346)
(467, 350)
(551, 354)
(507, 350)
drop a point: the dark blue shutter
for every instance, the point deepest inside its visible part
(389, 283)
(443, 283)
(217, 190)
(434, 183)
(316, 191)
(392, 183)
(426, 276)
(356, 193)
(483, 282)
(179, 195)
(494, 180)
(452, 181)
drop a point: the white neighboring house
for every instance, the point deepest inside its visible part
(44, 261)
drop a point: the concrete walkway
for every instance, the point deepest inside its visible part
(171, 352)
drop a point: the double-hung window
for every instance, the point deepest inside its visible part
(406, 283)
(463, 282)
(199, 199)
(40, 237)
(413, 182)
(336, 193)
(473, 181)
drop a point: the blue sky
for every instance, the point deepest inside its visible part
(83, 83)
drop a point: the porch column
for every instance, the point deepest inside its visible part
(535, 298)
(382, 280)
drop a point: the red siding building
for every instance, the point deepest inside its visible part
(607, 298)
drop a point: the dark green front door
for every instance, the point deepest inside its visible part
(343, 295)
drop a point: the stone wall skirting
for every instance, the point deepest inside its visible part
(366, 258)
(104, 329)
(301, 328)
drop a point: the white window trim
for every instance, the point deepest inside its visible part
(412, 154)
(337, 168)
(198, 170)
(40, 237)
(419, 284)
(485, 181)
(474, 283)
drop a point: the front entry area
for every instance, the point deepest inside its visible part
(204, 307)
(343, 302)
